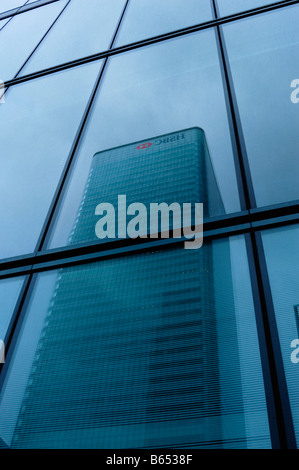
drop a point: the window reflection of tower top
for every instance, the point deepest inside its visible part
(174, 167)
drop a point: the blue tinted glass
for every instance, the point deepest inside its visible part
(39, 120)
(229, 7)
(282, 254)
(156, 349)
(29, 28)
(6, 5)
(147, 18)
(9, 291)
(147, 93)
(173, 168)
(264, 53)
(83, 29)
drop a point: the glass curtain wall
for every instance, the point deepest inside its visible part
(138, 342)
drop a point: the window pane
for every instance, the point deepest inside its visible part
(9, 292)
(147, 93)
(147, 350)
(6, 5)
(229, 7)
(148, 18)
(282, 254)
(39, 120)
(81, 30)
(2, 23)
(29, 28)
(263, 55)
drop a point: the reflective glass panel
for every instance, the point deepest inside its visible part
(9, 292)
(39, 120)
(151, 96)
(156, 349)
(29, 28)
(83, 29)
(6, 5)
(229, 7)
(147, 18)
(282, 254)
(263, 53)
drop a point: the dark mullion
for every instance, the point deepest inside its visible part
(244, 181)
(43, 37)
(281, 411)
(225, 225)
(66, 175)
(280, 419)
(273, 405)
(150, 41)
(15, 324)
(66, 255)
(28, 58)
(10, 18)
(26, 293)
(23, 8)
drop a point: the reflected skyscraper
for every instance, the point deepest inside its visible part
(130, 352)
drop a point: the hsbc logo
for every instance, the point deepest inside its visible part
(166, 140)
(146, 145)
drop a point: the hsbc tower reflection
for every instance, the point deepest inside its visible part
(131, 351)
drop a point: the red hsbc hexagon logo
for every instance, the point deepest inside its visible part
(146, 145)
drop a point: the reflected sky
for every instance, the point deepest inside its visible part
(22, 34)
(39, 120)
(264, 55)
(153, 91)
(147, 18)
(81, 30)
(6, 5)
(229, 7)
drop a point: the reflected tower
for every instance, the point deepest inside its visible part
(130, 352)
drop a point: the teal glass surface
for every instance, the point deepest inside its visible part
(155, 349)
(6, 5)
(282, 254)
(147, 18)
(9, 292)
(229, 7)
(29, 28)
(39, 120)
(172, 168)
(84, 28)
(163, 89)
(263, 52)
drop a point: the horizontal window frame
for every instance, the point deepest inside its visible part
(24, 8)
(216, 227)
(150, 41)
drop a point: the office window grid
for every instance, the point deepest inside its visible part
(250, 221)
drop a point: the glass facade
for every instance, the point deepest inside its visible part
(230, 7)
(161, 17)
(46, 124)
(147, 350)
(117, 336)
(282, 251)
(261, 44)
(30, 27)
